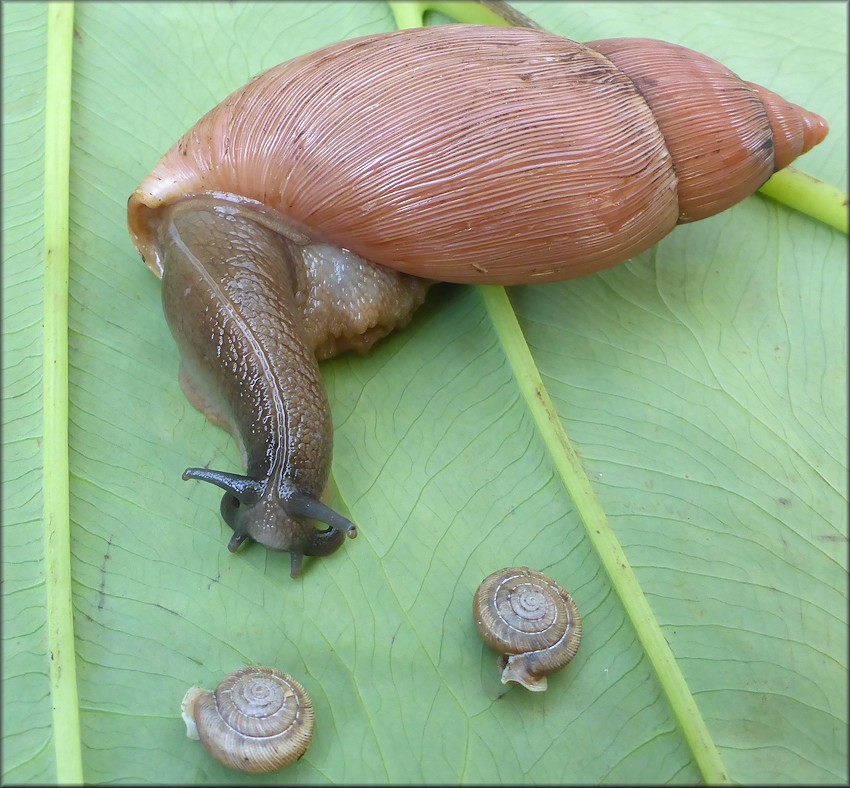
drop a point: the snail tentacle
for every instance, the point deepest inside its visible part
(302, 505)
(244, 488)
(235, 541)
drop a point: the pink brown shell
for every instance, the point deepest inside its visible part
(481, 154)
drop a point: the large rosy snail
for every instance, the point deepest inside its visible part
(295, 219)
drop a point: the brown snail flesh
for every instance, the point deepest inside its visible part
(294, 221)
(257, 719)
(531, 621)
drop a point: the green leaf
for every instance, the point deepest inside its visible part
(702, 385)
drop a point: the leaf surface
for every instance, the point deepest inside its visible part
(703, 385)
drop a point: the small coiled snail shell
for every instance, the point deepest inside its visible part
(257, 720)
(529, 619)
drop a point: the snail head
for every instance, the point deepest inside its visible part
(279, 518)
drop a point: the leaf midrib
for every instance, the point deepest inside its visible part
(57, 523)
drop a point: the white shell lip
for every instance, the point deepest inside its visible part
(514, 671)
(186, 708)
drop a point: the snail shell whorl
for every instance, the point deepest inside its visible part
(257, 720)
(726, 137)
(499, 155)
(529, 619)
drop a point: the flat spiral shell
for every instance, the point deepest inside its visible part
(529, 619)
(257, 720)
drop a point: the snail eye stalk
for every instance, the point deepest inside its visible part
(243, 488)
(301, 505)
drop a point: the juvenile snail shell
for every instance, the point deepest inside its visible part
(257, 720)
(307, 213)
(529, 619)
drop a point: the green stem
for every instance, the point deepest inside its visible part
(57, 522)
(602, 536)
(412, 14)
(809, 195)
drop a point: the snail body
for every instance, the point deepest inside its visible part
(331, 190)
(257, 720)
(531, 621)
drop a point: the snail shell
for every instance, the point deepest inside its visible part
(257, 720)
(529, 619)
(466, 153)
(308, 212)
